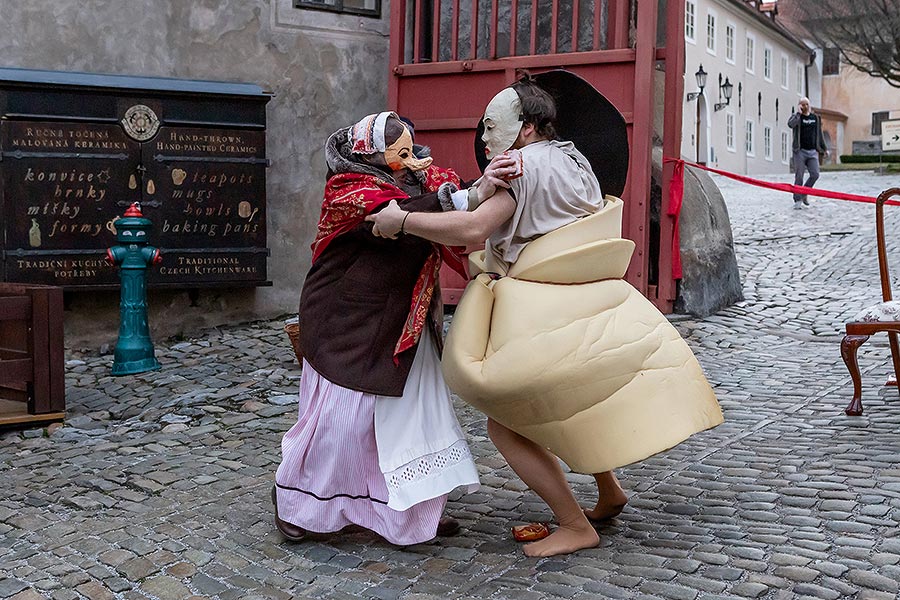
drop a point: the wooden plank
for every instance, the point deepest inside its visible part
(494, 27)
(554, 25)
(447, 124)
(513, 26)
(534, 24)
(14, 413)
(674, 92)
(397, 49)
(474, 39)
(12, 354)
(638, 206)
(547, 61)
(40, 352)
(436, 31)
(617, 24)
(574, 47)
(16, 392)
(471, 123)
(15, 308)
(14, 335)
(57, 353)
(11, 289)
(15, 371)
(417, 34)
(454, 32)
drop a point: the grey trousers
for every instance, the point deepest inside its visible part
(805, 160)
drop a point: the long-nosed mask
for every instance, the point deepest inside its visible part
(399, 155)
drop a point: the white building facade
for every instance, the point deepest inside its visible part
(767, 68)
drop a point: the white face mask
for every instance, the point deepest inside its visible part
(502, 122)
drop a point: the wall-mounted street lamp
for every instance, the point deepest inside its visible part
(701, 83)
(725, 89)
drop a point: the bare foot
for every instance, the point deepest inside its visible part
(611, 497)
(605, 511)
(564, 540)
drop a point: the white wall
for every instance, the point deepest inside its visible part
(749, 82)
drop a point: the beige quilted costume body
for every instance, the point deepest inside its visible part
(566, 353)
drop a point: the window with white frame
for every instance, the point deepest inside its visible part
(800, 77)
(366, 8)
(785, 145)
(767, 142)
(767, 63)
(729, 131)
(711, 32)
(750, 59)
(690, 11)
(784, 71)
(748, 139)
(729, 43)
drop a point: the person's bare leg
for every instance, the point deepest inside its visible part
(611, 498)
(540, 470)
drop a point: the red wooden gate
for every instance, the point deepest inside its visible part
(449, 57)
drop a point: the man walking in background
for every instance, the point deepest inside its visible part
(808, 143)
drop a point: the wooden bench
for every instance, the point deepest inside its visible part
(32, 360)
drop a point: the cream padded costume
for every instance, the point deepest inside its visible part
(566, 353)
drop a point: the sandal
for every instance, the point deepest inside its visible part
(448, 526)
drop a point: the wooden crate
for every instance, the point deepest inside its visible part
(32, 360)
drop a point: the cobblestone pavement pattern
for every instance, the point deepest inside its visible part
(158, 484)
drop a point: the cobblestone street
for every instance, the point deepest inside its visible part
(158, 484)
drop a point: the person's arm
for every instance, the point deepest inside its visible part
(793, 120)
(820, 137)
(450, 228)
(427, 202)
(474, 193)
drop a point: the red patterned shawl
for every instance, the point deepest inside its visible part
(349, 197)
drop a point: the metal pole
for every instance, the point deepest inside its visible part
(698, 130)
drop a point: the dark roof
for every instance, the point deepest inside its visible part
(128, 82)
(790, 17)
(769, 23)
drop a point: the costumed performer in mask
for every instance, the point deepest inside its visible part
(560, 370)
(377, 443)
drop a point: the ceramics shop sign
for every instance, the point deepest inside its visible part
(75, 155)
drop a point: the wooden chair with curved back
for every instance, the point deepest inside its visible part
(875, 319)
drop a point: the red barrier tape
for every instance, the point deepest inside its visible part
(676, 197)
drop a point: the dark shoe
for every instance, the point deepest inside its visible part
(289, 531)
(806, 201)
(448, 526)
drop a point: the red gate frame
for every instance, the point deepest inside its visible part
(445, 100)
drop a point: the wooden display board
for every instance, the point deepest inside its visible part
(77, 149)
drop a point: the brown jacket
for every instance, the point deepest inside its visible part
(354, 304)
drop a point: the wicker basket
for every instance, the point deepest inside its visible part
(292, 329)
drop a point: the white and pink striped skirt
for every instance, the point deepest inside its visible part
(330, 476)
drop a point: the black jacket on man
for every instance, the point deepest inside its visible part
(794, 122)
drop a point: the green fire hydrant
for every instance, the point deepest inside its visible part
(134, 348)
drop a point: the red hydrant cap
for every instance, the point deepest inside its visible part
(134, 210)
